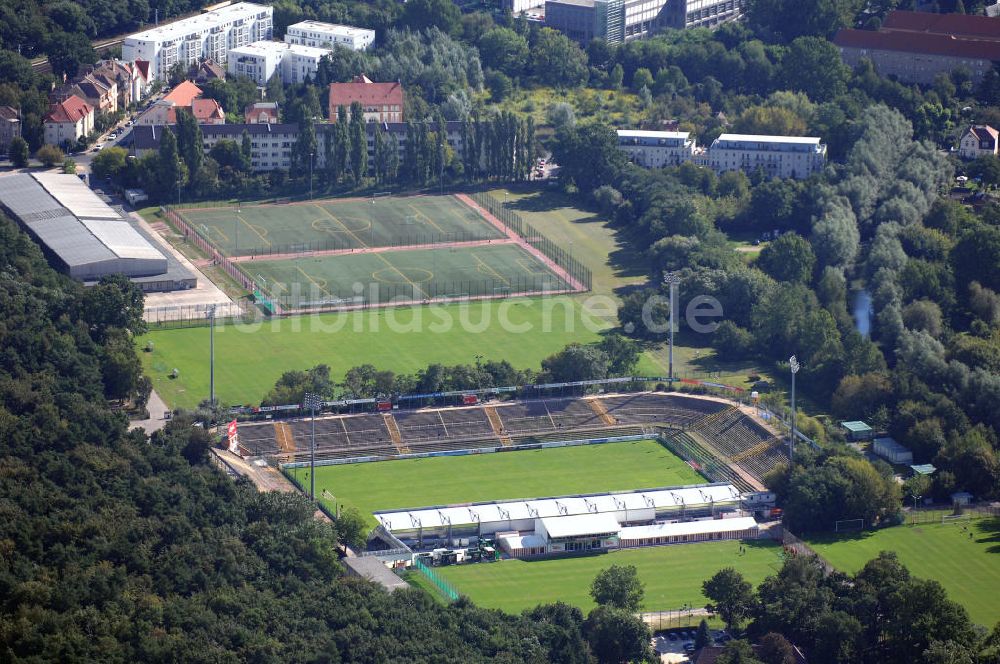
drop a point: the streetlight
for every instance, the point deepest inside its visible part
(312, 402)
(671, 279)
(793, 364)
(211, 357)
(311, 175)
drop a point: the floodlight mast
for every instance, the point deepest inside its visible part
(794, 365)
(210, 314)
(312, 402)
(671, 279)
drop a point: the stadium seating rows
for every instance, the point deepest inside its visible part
(738, 437)
(665, 408)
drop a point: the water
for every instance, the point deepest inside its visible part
(861, 309)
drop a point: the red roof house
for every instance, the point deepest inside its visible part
(68, 120)
(382, 102)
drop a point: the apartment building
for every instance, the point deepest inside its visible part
(98, 90)
(778, 156)
(208, 35)
(656, 149)
(293, 63)
(67, 121)
(915, 47)
(328, 35)
(381, 102)
(620, 20)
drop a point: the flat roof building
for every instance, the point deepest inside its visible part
(190, 40)
(891, 451)
(617, 21)
(328, 35)
(857, 430)
(86, 237)
(656, 149)
(259, 61)
(777, 156)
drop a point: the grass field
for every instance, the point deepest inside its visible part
(672, 575)
(495, 269)
(250, 358)
(389, 485)
(968, 568)
(338, 224)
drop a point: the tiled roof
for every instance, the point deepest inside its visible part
(984, 132)
(924, 43)
(143, 68)
(183, 94)
(9, 113)
(364, 91)
(70, 109)
(963, 25)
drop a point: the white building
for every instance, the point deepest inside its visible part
(778, 156)
(656, 149)
(327, 35)
(979, 141)
(261, 60)
(208, 35)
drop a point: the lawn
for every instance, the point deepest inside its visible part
(968, 568)
(417, 274)
(250, 358)
(387, 485)
(672, 575)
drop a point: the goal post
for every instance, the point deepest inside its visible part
(955, 518)
(849, 525)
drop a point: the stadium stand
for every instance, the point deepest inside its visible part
(466, 423)
(741, 441)
(664, 408)
(525, 417)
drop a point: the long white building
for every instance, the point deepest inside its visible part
(778, 156)
(261, 60)
(208, 35)
(656, 149)
(327, 35)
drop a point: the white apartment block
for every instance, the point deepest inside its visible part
(261, 60)
(779, 156)
(327, 35)
(656, 149)
(208, 35)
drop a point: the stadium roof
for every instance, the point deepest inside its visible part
(537, 508)
(683, 528)
(580, 525)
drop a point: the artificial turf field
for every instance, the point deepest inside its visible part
(672, 575)
(386, 485)
(968, 568)
(494, 269)
(249, 359)
(338, 224)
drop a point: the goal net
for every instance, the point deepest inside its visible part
(849, 525)
(954, 518)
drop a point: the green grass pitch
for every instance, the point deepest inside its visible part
(420, 274)
(968, 567)
(672, 575)
(432, 481)
(249, 359)
(338, 224)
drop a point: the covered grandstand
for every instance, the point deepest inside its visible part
(83, 235)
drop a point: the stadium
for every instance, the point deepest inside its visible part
(528, 477)
(337, 254)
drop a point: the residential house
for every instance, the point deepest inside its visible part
(67, 121)
(207, 70)
(381, 102)
(10, 126)
(130, 79)
(656, 149)
(263, 112)
(978, 141)
(100, 91)
(186, 95)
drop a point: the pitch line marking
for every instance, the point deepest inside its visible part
(430, 221)
(255, 230)
(482, 264)
(313, 281)
(380, 256)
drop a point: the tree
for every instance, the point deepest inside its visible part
(814, 66)
(789, 258)
(562, 632)
(589, 155)
(115, 302)
(422, 14)
(359, 144)
(69, 166)
(18, 152)
(561, 116)
(617, 636)
(642, 78)
(49, 155)
(577, 362)
(775, 649)
(504, 50)
(171, 173)
(189, 143)
(67, 52)
(275, 89)
(618, 586)
(731, 595)
(558, 60)
(737, 652)
(109, 162)
(925, 316)
(622, 353)
(857, 397)
(120, 366)
(352, 528)
(704, 635)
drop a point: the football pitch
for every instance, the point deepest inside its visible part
(967, 567)
(421, 274)
(672, 575)
(387, 485)
(338, 224)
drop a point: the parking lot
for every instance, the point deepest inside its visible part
(677, 645)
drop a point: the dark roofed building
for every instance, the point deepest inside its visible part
(978, 141)
(915, 47)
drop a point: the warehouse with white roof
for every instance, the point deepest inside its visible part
(83, 235)
(581, 522)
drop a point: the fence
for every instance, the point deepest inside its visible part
(513, 221)
(443, 586)
(345, 245)
(192, 315)
(796, 547)
(931, 515)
